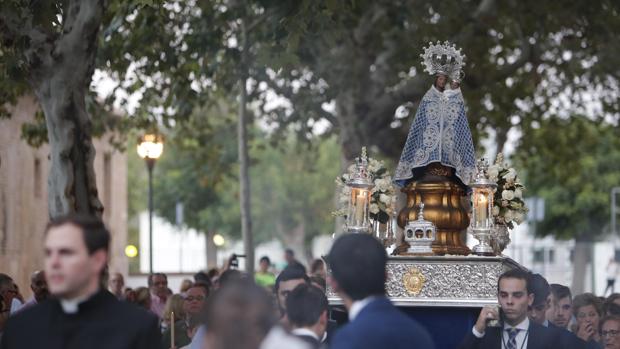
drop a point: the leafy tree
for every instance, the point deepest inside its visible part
(572, 163)
(49, 48)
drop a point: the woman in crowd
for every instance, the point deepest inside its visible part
(588, 311)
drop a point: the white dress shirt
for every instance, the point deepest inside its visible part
(522, 335)
(305, 332)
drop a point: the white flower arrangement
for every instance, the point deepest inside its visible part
(383, 195)
(508, 204)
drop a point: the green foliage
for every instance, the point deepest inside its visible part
(293, 188)
(572, 164)
(292, 185)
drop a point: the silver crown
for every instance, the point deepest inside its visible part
(443, 58)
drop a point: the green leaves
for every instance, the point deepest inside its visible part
(573, 164)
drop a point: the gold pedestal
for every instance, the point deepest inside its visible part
(443, 199)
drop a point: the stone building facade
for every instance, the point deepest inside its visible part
(23, 197)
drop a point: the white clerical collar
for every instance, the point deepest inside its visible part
(523, 325)
(305, 332)
(70, 306)
(357, 306)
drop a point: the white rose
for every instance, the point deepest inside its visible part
(383, 184)
(508, 195)
(509, 216)
(511, 175)
(495, 210)
(519, 218)
(493, 172)
(385, 199)
(518, 193)
(374, 208)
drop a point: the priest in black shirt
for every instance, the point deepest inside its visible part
(81, 314)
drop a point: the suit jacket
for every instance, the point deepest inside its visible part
(313, 342)
(568, 339)
(381, 325)
(539, 337)
(101, 322)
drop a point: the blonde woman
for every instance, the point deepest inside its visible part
(174, 304)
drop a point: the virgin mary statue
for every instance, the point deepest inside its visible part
(439, 132)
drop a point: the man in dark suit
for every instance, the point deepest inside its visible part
(357, 273)
(81, 314)
(306, 308)
(516, 331)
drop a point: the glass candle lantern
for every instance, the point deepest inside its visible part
(482, 207)
(361, 185)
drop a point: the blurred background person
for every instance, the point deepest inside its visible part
(264, 277)
(288, 279)
(291, 261)
(612, 272)
(175, 305)
(240, 316)
(611, 306)
(185, 284)
(143, 298)
(318, 268)
(40, 292)
(116, 284)
(307, 312)
(158, 286)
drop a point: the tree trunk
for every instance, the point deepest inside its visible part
(60, 75)
(244, 178)
(581, 257)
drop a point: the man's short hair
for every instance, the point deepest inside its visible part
(200, 284)
(357, 263)
(610, 306)
(96, 235)
(265, 259)
(516, 274)
(5, 282)
(289, 251)
(203, 278)
(230, 276)
(539, 286)
(240, 314)
(290, 273)
(560, 291)
(305, 304)
(150, 278)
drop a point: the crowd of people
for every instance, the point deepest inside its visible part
(76, 303)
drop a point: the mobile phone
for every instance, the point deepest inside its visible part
(497, 322)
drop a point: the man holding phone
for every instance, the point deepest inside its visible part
(515, 331)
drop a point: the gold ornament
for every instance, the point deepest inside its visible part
(414, 281)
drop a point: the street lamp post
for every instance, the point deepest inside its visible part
(150, 147)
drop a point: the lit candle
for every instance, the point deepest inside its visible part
(481, 210)
(360, 202)
(172, 329)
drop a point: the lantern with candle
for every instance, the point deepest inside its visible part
(482, 209)
(360, 184)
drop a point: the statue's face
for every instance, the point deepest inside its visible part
(440, 81)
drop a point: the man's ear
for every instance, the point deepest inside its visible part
(99, 258)
(530, 299)
(323, 318)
